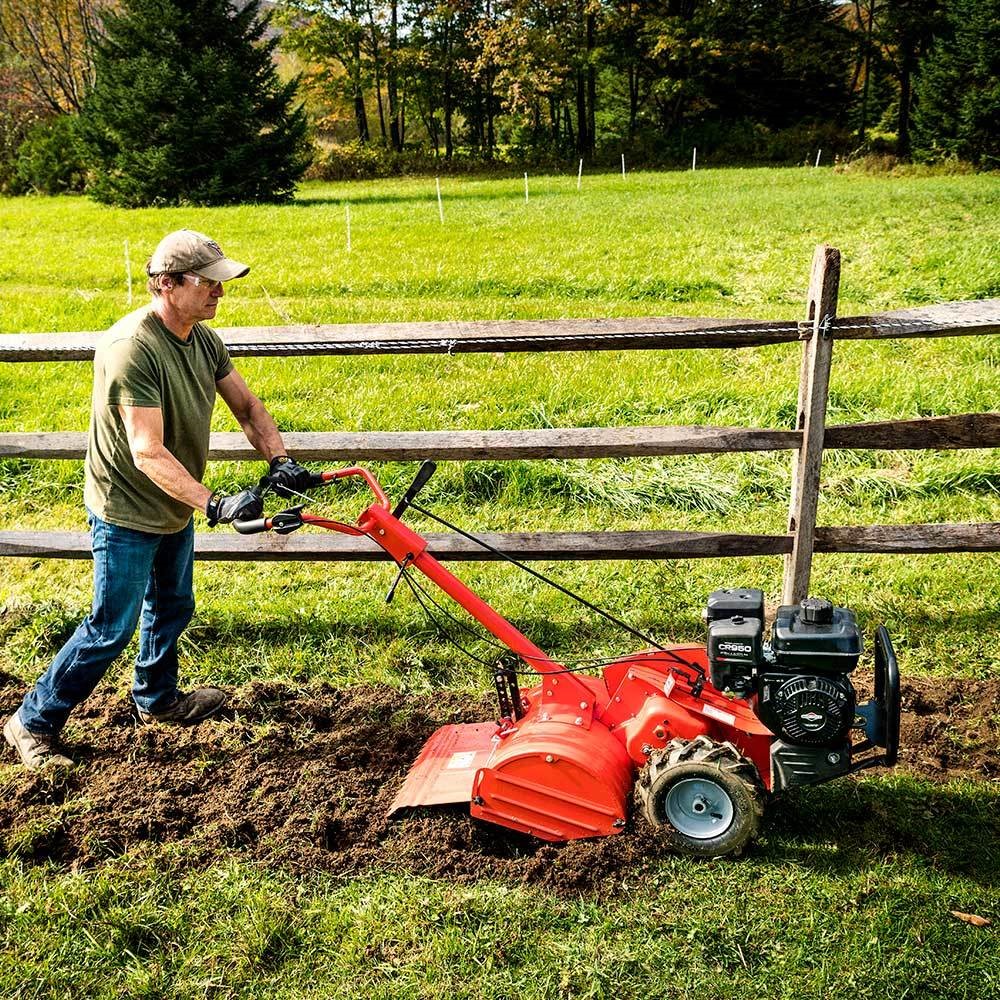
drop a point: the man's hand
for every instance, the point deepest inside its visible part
(244, 506)
(287, 477)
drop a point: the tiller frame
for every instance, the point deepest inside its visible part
(569, 754)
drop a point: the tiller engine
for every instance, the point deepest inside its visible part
(697, 737)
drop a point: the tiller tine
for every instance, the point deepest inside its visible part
(447, 766)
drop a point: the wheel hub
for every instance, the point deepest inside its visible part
(698, 808)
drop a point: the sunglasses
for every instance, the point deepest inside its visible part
(201, 281)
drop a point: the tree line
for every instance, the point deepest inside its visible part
(654, 77)
(84, 85)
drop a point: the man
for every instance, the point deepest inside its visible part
(156, 374)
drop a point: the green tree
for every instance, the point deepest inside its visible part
(187, 108)
(702, 67)
(906, 29)
(441, 83)
(540, 69)
(331, 31)
(957, 92)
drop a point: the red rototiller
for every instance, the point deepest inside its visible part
(698, 737)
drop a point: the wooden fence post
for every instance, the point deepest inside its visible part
(814, 385)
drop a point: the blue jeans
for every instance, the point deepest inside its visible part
(135, 573)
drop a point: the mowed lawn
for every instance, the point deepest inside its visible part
(804, 915)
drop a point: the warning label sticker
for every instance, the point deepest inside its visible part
(461, 761)
(717, 713)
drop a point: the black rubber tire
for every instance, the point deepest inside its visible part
(726, 769)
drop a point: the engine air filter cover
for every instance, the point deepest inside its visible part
(747, 602)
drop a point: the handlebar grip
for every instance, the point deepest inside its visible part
(254, 527)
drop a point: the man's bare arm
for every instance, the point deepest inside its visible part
(144, 428)
(257, 423)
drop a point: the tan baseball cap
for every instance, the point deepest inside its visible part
(186, 250)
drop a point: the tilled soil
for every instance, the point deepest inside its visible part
(302, 778)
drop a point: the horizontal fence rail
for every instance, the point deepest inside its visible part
(566, 545)
(950, 319)
(968, 430)
(807, 440)
(477, 337)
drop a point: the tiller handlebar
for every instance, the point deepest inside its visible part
(287, 521)
(408, 549)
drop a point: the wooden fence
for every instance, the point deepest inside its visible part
(807, 441)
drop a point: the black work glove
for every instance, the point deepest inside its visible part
(244, 506)
(287, 477)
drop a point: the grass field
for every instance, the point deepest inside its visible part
(815, 909)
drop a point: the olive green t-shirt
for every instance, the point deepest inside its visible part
(139, 362)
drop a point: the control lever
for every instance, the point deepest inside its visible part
(287, 521)
(424, 473)
(264, 485)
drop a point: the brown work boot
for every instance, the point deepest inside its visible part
(36, 750)
(188, 709)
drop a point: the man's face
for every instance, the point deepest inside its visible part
(197, 298)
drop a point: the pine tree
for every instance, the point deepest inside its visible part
(958, 88)
(187, 108)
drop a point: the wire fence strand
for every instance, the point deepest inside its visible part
(750, 333)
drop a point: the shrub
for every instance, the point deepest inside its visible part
(889, 163)
(368, 161)
(49, 161)
(354, 161)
